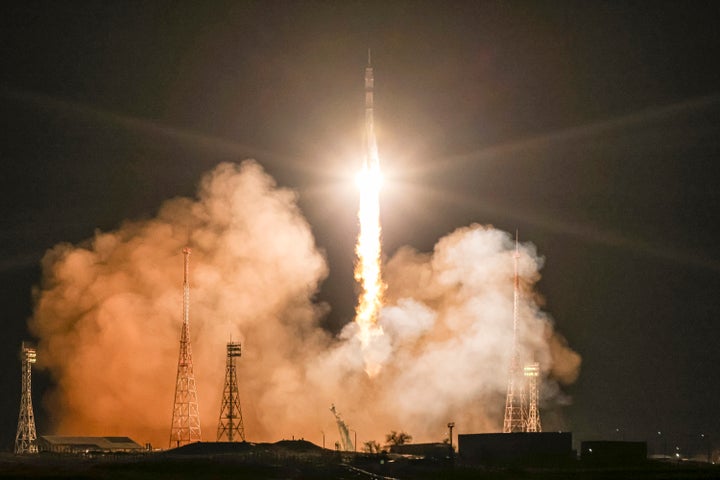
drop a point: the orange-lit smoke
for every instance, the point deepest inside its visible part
(109, 311)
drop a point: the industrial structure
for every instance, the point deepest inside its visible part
(515, 420)
(88, 445)
(230, 424)
(26, 436)
(532, 374)
(345, 443)
(185, 418)
(521, 402)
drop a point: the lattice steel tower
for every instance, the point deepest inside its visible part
(26, 436)
(231, 422)
(532, 373)
(514, 412)
(185, 419)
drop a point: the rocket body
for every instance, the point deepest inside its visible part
(368, 268)
(371, 153)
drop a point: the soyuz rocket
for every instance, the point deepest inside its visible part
(371, 160)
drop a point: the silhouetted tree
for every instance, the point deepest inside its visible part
(371, 447)
(398, 438)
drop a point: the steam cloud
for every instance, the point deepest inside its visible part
(109, 311)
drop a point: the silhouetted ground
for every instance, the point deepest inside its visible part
(302, 460)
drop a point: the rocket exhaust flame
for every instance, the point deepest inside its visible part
(368, 250)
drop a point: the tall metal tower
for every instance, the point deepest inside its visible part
(532, 373)
(185, 419)
(231, 422)
(514, 412)
(26, 436)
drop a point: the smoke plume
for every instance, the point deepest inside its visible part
(109, 311)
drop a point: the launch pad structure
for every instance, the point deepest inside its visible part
(186, 418)
(345, 443)
(514, 420)
(521, 402)
(532, 414)
(230, 423)
(26, 436)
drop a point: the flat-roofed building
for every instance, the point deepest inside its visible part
(62, 444)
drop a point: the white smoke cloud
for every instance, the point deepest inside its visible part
(109, 311)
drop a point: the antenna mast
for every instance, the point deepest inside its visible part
(186, 419)
(26, 436)
(514, 420)
(231, 422)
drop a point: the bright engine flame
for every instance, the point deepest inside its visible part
(368, 266)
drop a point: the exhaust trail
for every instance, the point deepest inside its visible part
(368, 270)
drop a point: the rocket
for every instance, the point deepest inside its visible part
(371, 153)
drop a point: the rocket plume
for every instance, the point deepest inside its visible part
(107, 312)
(368, 271)
(433, 336)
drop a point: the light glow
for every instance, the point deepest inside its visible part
(368, 266)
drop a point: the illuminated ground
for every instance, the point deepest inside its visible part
(302, 460)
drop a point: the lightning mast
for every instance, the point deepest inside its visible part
(514, 412)
(185, 419)
(346, 442)
(231, 421)
(26, 436)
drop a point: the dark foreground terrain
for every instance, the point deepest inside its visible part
(303, 460)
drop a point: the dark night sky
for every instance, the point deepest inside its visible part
(592, 127)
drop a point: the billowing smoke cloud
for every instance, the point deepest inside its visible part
(109, 311)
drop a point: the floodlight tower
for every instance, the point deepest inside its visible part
(186, 418)
(514, 412)
(26, 436)
(532, 373)
(231, 422)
